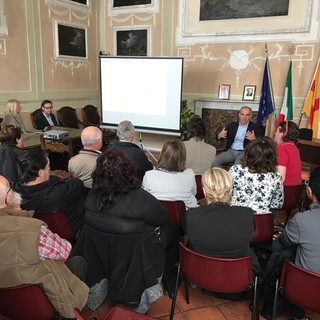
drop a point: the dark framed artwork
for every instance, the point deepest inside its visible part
(126, 3)
(84, 2)
(71, 41)
(133, 42)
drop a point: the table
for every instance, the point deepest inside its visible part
(309, 152)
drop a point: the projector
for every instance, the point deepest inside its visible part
(55, 134)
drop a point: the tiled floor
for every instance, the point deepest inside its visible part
(201, 307)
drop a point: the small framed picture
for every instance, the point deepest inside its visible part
(224, 91)
(249, 92)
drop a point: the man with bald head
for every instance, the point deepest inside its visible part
(82, 165)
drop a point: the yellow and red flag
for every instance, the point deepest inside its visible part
(311, 104)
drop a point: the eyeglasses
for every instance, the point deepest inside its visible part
(47, 107)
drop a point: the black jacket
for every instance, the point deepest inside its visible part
(41, 122)
(9, 161)
(136, 154)
(122, 243)
(232, 131)
(54, 195)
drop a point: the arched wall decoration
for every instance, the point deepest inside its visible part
(72, 65)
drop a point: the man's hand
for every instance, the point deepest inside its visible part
(223, 133)
(250, 135)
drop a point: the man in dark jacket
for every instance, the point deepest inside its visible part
(45, 118)
(239, 134)
(43, 193)
(126, 133)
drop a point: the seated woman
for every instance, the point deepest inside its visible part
(11, 115)
(170, 180)
(218, 229)
(122, 239)
(10, 148)
(199, 153)
(256, 182)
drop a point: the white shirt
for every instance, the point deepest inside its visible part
(165, 185)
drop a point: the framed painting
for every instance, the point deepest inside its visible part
(224, 91)
(132, 42)
(116, 7)
(71, 41)
(126, 3)
(249, 92)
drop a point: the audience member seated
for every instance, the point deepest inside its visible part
(43, 193)
(10, 148)
(11, 115)
(126, 133)
(45, 118)
(82, 165)
(238, 135)
(302, 233)
(218, 229)
(256, 182)
(31, 253)
(122, 239)
(199, 153)
(170, 180)
(289, 162)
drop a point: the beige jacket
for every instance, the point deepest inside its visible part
(20, 235)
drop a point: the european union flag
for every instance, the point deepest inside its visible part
(266, 105)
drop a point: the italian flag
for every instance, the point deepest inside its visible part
(286, 113)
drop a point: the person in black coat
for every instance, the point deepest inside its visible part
(10, 148)
(44, 193)
(126, 133)
(238, 135)
(45, 118)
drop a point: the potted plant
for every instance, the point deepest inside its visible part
(186, 115)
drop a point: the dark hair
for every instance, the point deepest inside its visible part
(314, 182)
(9, 135)
(30, 162)
(173, 156)
(115, 175)
(290, 130)
(260, 156)
(196, 128)
(44, 102)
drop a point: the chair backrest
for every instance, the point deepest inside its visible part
(27, 301)
(305, 133)
(292, 196)
(57, 223)
(67, 117)
(216, 274)
(264, 228)
(200, 194)
(176, 211)
(90, 115)
(33, 115)
(300, 286)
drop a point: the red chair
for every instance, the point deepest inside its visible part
(116, 313)
(264, 228)
(215, 274)
(292, 199)
(299, 286)
(27, 301)
(57, 223)
(176, 211)
(200, 194)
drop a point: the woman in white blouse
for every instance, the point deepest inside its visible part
(256, 182)
(170, 180)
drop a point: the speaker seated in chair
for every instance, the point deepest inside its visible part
(43, 117)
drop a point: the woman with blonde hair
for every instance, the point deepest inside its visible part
(11, 115)
(170, 180)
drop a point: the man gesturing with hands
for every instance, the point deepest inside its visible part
(238, 134)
